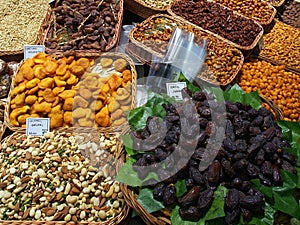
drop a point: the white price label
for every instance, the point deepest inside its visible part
(174, 89)
(37, 126)
(31, 50)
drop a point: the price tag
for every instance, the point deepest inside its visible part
(31, 50)
(174, 89)
(37, 126)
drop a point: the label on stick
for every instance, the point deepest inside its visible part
(31, 50)
(174, 89)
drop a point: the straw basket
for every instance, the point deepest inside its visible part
(83, 129)
(245, 49)
(141, 9)
(48, 31)
(18, 138)
(145, 53)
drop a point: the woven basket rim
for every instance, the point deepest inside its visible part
(37, 40)
(249, 47)
(114, 220)
(139, 45)
(81, 53)
(141, 2)
(83, 129)
(263, 23)
(278, 4)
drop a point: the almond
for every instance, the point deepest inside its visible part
(26, 213)
(59, 196)
(74, 191)
(25, 179)
(50, 212)
(58, 216)
(74, 219)
(64, 169)
(28, 155)
(17, 207)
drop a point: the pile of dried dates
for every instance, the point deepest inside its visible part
(219, 20)
(83, 25)
(6, 69)
(251, 149)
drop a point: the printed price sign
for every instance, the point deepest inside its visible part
(31, 50)
(174, 89)
(37, 126)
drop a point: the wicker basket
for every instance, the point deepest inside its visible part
(145, 54)
(277, 4)
(245, 49)
(162, 217)
(141, 9)
(47, 33)
(16, 138)
(18, 55)
(83, 129)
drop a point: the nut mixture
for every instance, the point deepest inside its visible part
(222, 59)
(48, 179)
(258, 10)
(219, 20)
(160, 4)
(83, 25)
(4, 79)
(275, 2)
(71, 92)
(275, 83)
(283, 44)
(20, 22)
(291, 14)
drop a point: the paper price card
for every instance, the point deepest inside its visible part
(37, 126)
(31, 50)
(174, 89)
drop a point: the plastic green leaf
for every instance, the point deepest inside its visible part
(147, 200)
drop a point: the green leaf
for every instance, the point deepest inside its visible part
(129, 176)
(146, 199)
(217, 208)
(193, 88)
(289, 181)
(128, 143)
(180, 188)
(298, 173)
(177, 220)
(268, 218)
(291, 132)
(236, 94)
(286, 203)
(137, 118)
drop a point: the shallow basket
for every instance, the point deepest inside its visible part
(141, 9)
(121, 217)
(46, 32)
(82, 129)
(245, 49)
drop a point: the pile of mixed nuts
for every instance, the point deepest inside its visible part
(48, 179)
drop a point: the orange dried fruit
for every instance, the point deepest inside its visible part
(61, 69)
(22, 118)
(47, 82)
(58, 90)
(43, 107)
(105, 88)
(85, 93)
(19, 100)
(32, 91)
(56, 101)
(39, 72)
(127, 76)
(70, 59)
(39, 58)
(84, 62)
(62, 61)
(72, 80)
(120, 65)
(19, 89)
(56, 117)
(50, 67)
(113, 105)
(59, 82)
(27, 72)
(102, 118)
(114, 81)
(68, 104)
(68, 118)
(49, 96)
(106, 62)
(32, 83)
(67, 94)
(30, 99)
(96, 105)
(77, 70)
(19, 78)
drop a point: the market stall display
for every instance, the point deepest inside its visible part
(20, 24)
(281, 46)
(72, 92)
(48, 179)
(291, 14)
(83, 27)
(258, 10)
(5, 72)
(151, 37)
(274, 82)
(253, 148)
(219, 21)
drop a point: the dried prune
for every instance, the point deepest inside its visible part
(253, 149)
(232, 200)
(192, 213)
(264, 180)
(228, 168)
(232, 217)
(196, 175)
(190, 198)
(277, 178)
(267, 169)
(158, 191)
(251, 201)
(214, 171)
(288, 167)
(169, 196)
(253, 170)
(260, 157)
(205, 200)
(247, 214)
(229, 145)
(199, 96)
(258, 121)
(289, 157)
(240, 165)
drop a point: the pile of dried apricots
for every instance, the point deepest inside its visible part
(70, 92)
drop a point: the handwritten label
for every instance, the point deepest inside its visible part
(174, 89)
(37, 126)
(31, 50)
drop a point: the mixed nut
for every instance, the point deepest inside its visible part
(219, 20)
(5, 79)
(222, 59)
(71, 92)
(282, 44)
(84, 25)
(253, 148)
(258, 10)
(48, 179)
(160, 4)
(275, 83)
